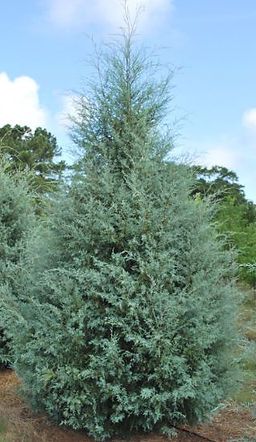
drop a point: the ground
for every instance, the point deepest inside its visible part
(19, 424)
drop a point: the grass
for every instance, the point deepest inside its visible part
(247, 352)
(3, 425)
(3, 429)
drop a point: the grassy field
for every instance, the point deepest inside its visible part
(247, 323)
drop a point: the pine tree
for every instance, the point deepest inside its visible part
(34, 151)
(128, 320)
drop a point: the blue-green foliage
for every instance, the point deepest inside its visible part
(126, 319)
(16, 218)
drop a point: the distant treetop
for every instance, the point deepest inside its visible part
(34, 151)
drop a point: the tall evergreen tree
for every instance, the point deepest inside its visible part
(128, 320)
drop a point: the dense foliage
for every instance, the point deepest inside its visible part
(35, 151)
(218, 181)
(236, 216)
(126, 316)
(16, 220)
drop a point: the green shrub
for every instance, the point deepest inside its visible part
(127, 323)
(16, 218)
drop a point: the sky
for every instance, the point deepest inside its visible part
(45, 46)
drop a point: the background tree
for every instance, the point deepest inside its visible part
(235, 216)
(127, 323)
(34, 151)
(218, 181)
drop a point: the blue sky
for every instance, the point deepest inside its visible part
(44, 47)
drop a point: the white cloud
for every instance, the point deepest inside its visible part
(236, 152)
(19, 102)
(221, 155)
(70, 109)
(65, 12)
(249, 119)
(70, 13)
(224, 151)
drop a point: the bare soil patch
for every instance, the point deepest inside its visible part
(19, 424)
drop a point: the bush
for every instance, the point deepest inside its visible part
(16, 218)
(127, 323)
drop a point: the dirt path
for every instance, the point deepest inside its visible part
(19, 424)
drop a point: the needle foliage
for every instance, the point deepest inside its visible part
(16, 220)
